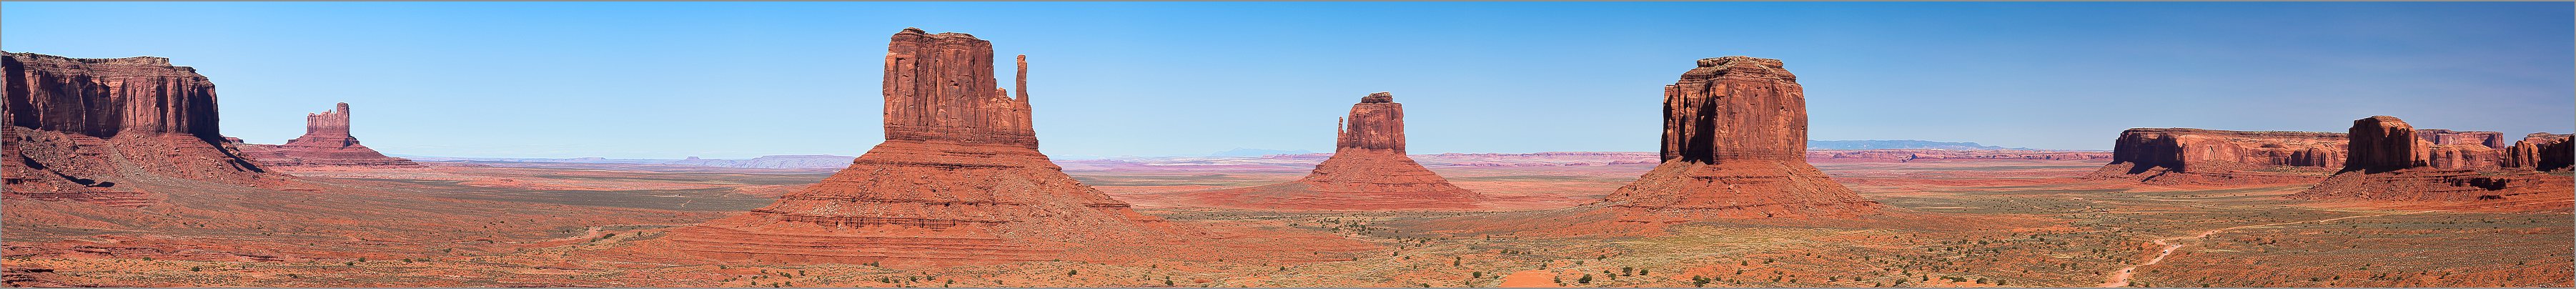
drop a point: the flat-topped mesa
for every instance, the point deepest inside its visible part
(2202, 156)
(326, 143)
(2472, 150)
(2391, 161)
(958, 180)
(2540, 151)
(1368, 171)
(77, 127)
(103, 98)
(940, 87)
(1734, 146)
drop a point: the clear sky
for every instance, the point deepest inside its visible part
(734, 80)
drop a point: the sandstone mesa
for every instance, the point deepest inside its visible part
(78, 126)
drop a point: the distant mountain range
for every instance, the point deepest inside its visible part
(762, 162)
(1898, 144)
(839, 161)
(1244, 152)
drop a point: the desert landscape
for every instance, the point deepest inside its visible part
(118, 175)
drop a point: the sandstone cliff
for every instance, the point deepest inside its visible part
(1368, 171)
(2391, 162)
(2201, 156)
(2541, 152)
(958, 181)
(1734, 146)
(326, 142)
(78, 126)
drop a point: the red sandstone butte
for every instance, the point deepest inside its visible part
(1368, 171)
(1734, 146)
(2391, 161)
(326, 142)
(2201, 156)
(2541, 152)
(958, 180)
(78, 126)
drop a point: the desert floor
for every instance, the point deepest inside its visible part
(1967, 223)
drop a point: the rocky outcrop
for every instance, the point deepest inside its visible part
(2540, 152)
(79, 126)
(2391, 162)
(1368, 171)
(958, 180)
(941, 87)
(326, 143)
(2384, 143)
(1734, 146)
(2201, 156)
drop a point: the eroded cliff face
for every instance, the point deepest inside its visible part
(940, 87)
(1368, 171)
(78, 126)
(2391, 161)
(2202, 156)
(326, 143)
(958, 181)
(1734, 146)
(2541, 152)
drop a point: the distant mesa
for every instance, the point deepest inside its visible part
(2393, 161)
(2222, 157)
(1899, 144)
(326, 143)
(773, 162)
(1367, 171)
(1734, 147)
(78, 127)
(958, 180)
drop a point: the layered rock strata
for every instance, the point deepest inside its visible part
(326, 142)
(2391, 161)
(958, 180)
(78, 126)
(1734, 146)
(1368, 171)
(2201, 156)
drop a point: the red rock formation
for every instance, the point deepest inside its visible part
(2540, 151)
(2200, 156)
(1734, 146)
(2384, 143)
(958, 181)
(1368, 171)
(2391, 163)
(78, 126)
(2488, 139)
(326, 142)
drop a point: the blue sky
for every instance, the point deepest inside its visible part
(733, 80)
